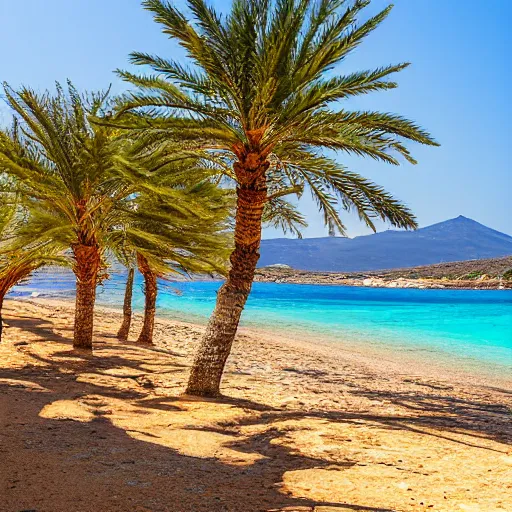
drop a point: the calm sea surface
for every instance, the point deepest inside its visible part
(458, 325)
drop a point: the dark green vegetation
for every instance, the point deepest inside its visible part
(249, 116)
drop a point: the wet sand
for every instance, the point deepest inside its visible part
(301, 425)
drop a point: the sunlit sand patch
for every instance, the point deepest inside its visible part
(109, 381)
(385, 487)
(187, 427)
(122, 371)
(196, 443)
(45, 352)
(67, 410)
(24, 384)
(375, 468)
(14, 356)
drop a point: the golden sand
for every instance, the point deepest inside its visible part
(301, 426)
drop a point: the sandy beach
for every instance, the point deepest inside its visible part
(301, 426)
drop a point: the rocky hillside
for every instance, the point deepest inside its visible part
(473, 269)
(490, 273)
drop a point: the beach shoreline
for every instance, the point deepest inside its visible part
(389, 359)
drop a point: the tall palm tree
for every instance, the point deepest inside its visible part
(261, 99)
(74, 180)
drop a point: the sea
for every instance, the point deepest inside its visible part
(460, 327)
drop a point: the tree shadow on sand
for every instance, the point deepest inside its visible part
(109, 431)
(65, 464)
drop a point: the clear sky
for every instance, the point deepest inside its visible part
(458, 87)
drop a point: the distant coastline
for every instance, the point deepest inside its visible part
(485, 274)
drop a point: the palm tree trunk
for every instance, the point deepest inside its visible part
(150, 292)
(86, 268)
(216, 344)
(2, 295)
(122, 334)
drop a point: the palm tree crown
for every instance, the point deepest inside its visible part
(69, 169)
(73, 179)
(260, 94)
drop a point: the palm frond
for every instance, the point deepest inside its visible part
(266, 81)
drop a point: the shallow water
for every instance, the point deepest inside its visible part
(470, 325)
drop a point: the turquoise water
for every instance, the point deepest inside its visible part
(462, 324)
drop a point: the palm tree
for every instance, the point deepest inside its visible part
(19, 256)
(183, 229)
(261, 100)
(74, 180)
(17, 266)
(128, 259)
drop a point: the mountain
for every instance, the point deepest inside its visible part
(453, 240)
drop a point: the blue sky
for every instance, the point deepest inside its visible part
(458, 88)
